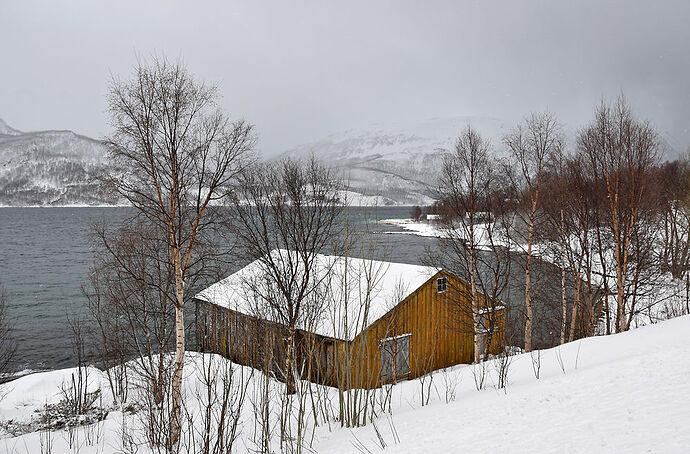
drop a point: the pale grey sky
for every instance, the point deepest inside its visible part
(302, 69)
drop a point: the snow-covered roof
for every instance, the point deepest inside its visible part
(345, 295)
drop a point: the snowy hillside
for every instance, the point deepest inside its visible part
(49, 168)
(622, 393)
(389, 165)
(5, 129)
(399, 162)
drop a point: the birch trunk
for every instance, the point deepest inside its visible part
(289, 361)
(564, 302)
(176, 405)
(475, 318)
(475, 306)
(576, 305)
(528, 282)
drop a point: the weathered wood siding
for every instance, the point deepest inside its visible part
(440, 325)
(259, 343)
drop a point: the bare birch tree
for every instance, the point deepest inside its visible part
(622, 150)
(466, 182)
(674, 181)
(584, 211)
(531, 144)
(174, 153)
(284, 216)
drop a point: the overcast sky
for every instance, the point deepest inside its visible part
(301, 70)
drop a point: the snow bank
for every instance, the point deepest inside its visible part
(419, 228)
(22, 397)
(622, 393)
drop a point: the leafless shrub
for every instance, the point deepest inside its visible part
(502, 365)
(128, 442)
(260, 397)
(479, 372)
(379, 437)
(450, 380)
(361, 447)
(385, 397)
(45, 439)
(75, 394)
(425, 383)
(393, 429)
(93, 433)
(220, 396)
(559, 358)
(108, 333)
(8, 345)
(535, 356)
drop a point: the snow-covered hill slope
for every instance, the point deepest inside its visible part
(622, 393)
(49, 168)
(5, 129)
(401, 162)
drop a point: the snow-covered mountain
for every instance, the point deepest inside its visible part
(399, 163)
(391, 165)
(49, 168)
(5, 129)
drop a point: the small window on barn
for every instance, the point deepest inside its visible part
(395, 358)
(441, 284)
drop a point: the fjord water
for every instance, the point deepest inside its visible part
(45, 256)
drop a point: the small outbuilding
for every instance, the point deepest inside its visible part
(367, 322)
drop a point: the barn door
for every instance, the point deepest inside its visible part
(395, 358)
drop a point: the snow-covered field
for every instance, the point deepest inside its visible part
(622, 393)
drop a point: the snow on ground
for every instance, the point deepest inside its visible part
(22, 397)
(434, 229)
(420, 228)
(622, 393)
(658, 297)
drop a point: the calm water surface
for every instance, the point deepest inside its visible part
(45, 255)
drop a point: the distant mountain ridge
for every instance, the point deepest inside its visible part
(389, 165)
(399, 163)
(395, 164)
(50, 168)
(5, 129)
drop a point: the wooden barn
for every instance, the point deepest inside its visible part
(370, 323)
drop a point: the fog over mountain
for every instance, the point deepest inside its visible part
(399, 162)
(392, 164)
(395, 164)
